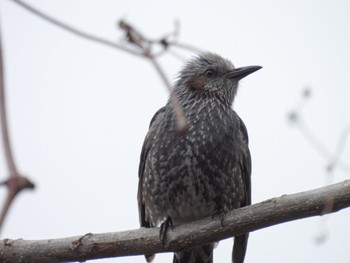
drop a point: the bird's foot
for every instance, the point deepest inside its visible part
(164, 228)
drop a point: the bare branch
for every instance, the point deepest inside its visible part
(342, 140)
(184, 46)
(333, 158)
(146, 241)
(4, 128)
(139, 40)
(181, 123)
(134, 37)
(74, 30)
(15, 182)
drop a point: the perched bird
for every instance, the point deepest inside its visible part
(205, 171)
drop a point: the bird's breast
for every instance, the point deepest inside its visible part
(191, 176)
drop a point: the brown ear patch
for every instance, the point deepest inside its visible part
(196, 83)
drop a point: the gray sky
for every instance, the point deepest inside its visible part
(79, 111)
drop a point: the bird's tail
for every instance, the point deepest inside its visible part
(196, 255)
(239, 248)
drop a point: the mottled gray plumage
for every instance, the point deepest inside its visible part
(205, 171)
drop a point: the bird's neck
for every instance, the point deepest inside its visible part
(197, 104)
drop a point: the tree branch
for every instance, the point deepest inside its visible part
(138, 40)
(4, 128)
(333, 158)
(146, 241)
(181, 123)
(74, 30)
(15, 182)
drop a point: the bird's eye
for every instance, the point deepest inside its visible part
(209, 73)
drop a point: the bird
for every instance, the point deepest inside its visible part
(205, 171)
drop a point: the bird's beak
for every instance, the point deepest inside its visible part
(240, 73)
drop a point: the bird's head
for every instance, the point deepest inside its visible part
(209, 75)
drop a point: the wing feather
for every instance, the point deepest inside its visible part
(240, 243)
(144, 153)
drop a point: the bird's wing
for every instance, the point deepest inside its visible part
(240, 244)
(247, 165)
(147, 144)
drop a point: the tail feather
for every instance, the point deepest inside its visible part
(149, 258)
(239, 248)
(196, 255)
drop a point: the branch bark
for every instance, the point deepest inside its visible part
(146, 241)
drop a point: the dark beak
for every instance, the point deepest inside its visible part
(240, 73)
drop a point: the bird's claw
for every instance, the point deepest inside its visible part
(164, 228)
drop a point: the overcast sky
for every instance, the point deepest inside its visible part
(79, 111)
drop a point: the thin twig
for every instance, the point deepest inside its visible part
(184, 46)
(313, 140)
(74, 30)
(138, 40)
(336, 161)
(182, 125)
(333, 158)
(15, 182)
(4, 128)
